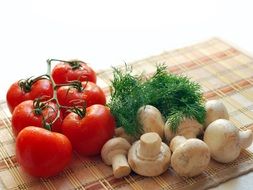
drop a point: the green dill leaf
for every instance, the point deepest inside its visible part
(175, 96)
(126, 99)
(174, 120)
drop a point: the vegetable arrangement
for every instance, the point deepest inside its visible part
(54, 113)
(147, 110)
(158, 122)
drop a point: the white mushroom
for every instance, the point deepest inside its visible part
(189, 128)
(225, 140)
(149, 156)
(190, 157)
(246, 138)
(215, 109)
(151, 120)
(120, 132)
(114, 153)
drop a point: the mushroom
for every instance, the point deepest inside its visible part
(215, 109)
(246, 138)
(189, 128)
(120, 132)
(225, 140)
(149, 156)
(151, 120)
(114, 153)
(190, 157)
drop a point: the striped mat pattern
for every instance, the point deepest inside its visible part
(223, 71)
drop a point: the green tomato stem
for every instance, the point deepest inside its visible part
(54, 93)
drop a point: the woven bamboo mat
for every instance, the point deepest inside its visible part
(223, 71)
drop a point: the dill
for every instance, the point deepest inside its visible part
(126, 99)
(175, 96)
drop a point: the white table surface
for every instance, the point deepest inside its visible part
(107, 33)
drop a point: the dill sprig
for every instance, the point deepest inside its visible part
(126, 99)
(175, 96)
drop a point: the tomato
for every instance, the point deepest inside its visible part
(87, 92)
(28, 89)
(88, 133)
(64, 72)
(28, 113)
(42, 153)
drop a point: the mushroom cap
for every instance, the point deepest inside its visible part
(215, 109)
(246, 138)
(189, 128)
(149, 167)
(151, 120)
(222, 138)
(112, 147)
(190, 158)
(120, 132)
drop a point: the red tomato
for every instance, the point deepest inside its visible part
(74, 70)
(87, 92)
(42, 153)
(89, 133)
(27, 114)
(28, 90)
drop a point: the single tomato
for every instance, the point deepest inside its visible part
(28, 89)
(80, 93)
(65, 72)
(89, 131)
(42, 153)
(33, 113)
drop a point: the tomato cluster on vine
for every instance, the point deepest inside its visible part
(54, 113)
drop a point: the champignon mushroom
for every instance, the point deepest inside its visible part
(149, 156)
(151, 120)
(225, 140)
(190, 157)
(246, 138)
(189, 128)
(215, 109)
(120, 132)
(114, 153)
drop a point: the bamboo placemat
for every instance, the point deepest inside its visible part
(223, 71)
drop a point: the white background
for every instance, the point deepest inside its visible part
(106, 33)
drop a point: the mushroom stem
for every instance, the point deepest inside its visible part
(245, 138)
(176, 142)
(114, 153)
(120, 165)
(150, 145)
(146, 158)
